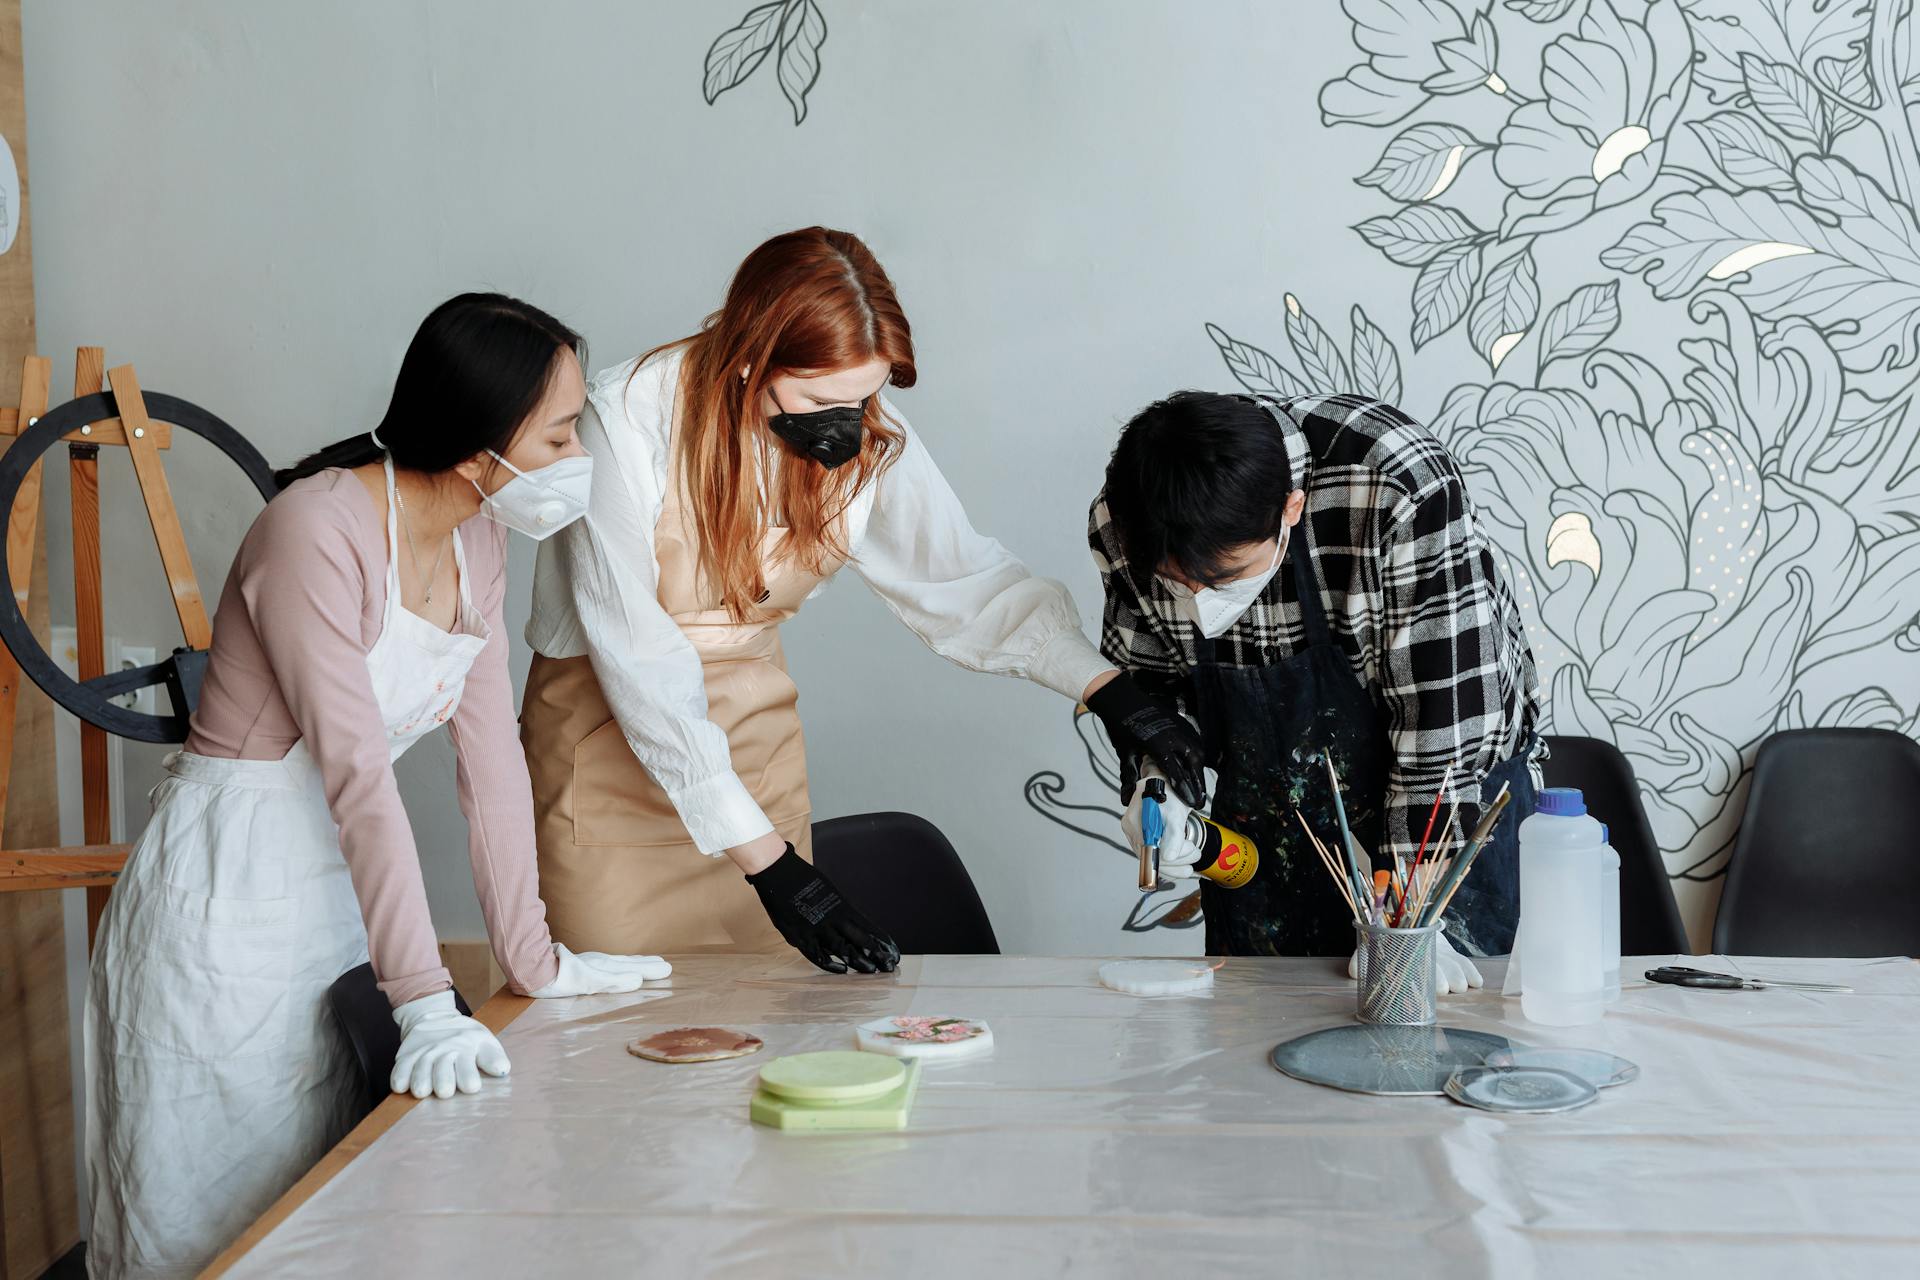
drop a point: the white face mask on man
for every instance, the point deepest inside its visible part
(540, 503)
(1215, 609)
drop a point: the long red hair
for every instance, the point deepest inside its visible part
(804, 303)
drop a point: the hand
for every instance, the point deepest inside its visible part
(821, 925)
(442, 1049)
(1138, 726)
(1453, 973)
(595, 973)
(1177, 853)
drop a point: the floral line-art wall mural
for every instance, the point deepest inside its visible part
(1708, 504)
(796, 29)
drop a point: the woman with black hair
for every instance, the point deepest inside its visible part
(363, 611)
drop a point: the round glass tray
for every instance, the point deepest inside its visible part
(1363, 1058)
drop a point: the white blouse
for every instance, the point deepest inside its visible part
(596, 593)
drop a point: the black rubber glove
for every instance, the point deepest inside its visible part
(1137, 725)
(821, 925)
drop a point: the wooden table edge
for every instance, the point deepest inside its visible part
(495, 1014)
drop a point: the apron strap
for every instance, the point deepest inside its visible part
(1306, 584)
(393, 546)
(460, 566)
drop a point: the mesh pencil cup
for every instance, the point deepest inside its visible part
(1396, 968)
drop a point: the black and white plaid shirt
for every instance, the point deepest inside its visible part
(1414, 596)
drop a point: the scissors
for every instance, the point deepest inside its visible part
(1675, 975)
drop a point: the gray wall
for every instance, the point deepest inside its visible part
(257, 203)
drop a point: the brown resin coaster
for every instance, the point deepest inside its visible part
(696, 1044)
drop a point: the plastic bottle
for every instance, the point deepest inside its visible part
(1610, 915)
(1561, 912)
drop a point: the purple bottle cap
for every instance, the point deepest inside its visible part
(1562, 802)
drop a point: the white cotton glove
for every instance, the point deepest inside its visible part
(1177, 853)
(1453, 973)
(595, 973)
(442, 1049)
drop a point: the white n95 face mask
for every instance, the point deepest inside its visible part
(1215, 609)
(540, 503)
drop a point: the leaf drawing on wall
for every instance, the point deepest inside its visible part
(1581, 323)
(1376, 365)
(1441, 291)
(1416, 235)
(796, 29)
(1256, 370)
(1786, 98)
(1422, 163)
(802, 31)
(1744, 152)
(737, 52)
(1509, 301)
(1326, 372)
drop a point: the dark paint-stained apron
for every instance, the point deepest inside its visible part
(1267, 731)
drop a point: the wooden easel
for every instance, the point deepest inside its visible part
(96, 864)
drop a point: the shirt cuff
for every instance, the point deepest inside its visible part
(542, 968)
(412, 986)
(719, 813)
(1067, 664)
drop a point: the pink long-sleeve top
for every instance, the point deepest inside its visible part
(301, 609)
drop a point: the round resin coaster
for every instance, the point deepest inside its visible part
(1156, 977)
(832, 1077)
(1532, 1089)
(936, 1039)
(1597, 1067)
(695, 1044)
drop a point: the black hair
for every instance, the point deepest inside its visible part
(1195, 476)
(475, 369)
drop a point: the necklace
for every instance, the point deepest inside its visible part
(414, 551)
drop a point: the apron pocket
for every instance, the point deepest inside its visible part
(206, 977)
(615, 800)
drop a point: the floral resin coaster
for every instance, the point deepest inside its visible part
(695, 1044)
(921, 1037)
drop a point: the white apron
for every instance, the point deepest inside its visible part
(216, 1072)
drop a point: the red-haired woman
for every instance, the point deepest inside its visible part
(737, 470)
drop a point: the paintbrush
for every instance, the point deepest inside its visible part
(1456, 874)
(1326, 860)
(1458, 868)
(1435, 872)
(1346, 836)
(1446, 780)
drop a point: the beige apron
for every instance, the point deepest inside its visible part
(618, 870)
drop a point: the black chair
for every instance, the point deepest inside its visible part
(1649, 918)
(367, 1018)
(1826, 862)
(905, 877)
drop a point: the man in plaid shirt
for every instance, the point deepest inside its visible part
(1220, 514)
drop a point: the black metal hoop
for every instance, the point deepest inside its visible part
(92, 700)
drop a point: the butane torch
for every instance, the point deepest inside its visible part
(1227, 858)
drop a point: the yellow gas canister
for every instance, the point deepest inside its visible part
(1227, 858)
